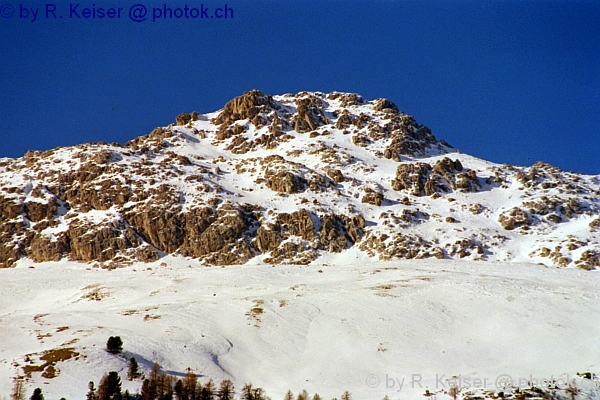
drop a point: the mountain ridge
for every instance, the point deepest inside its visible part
(287, 179)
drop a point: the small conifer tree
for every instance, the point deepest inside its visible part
(114, 345)
(303, 395)
(91, 395)
(37, 395)
(207, 392)
(247, 392)
(110, 387)
(179, 392)
(258, 394)
(226, 390)
(190, 385)
(134, 369)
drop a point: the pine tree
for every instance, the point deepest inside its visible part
(91, 395)
(303, 395)
(289, 395)
(207, 392)
(110, 387)
(114, 345)
(134, 369)
(258, 394)
(168, 383)
(160, 386)
(150, 386)
(180, 392)
(226, 390)
(346, 396)
(190, 385)
(155, 373)
(37, 395)
(317, 397)
(18, 392)
(148, 391)
(247, 392)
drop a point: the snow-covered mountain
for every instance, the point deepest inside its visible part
(356, 251)
(287, 179)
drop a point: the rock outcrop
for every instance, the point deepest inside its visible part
(445, 176)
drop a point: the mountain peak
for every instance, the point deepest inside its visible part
(287, 179)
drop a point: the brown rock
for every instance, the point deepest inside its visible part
(284, 181)
(335, 174)
(372, 197)
(266, 240)
(37, 211)
(411, 177)
(385, 105)
(247, 106)
(183, 118)
(514, 218)
(346, 99)
(298, 223)
(344, 120)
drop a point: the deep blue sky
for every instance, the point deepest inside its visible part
(508, 81)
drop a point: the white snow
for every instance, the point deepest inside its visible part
(353, 326)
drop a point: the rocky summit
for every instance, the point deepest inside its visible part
(287, 179)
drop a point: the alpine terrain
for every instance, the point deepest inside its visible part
(310, 241)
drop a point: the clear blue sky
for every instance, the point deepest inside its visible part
(508, 81)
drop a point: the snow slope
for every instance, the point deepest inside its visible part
(347, 323)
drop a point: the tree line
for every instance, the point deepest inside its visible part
(162, 386)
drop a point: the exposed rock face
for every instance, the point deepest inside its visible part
(385, 105)
(412, 178)
(399, 246)
(284, 181)
(248, 106)
(346, 99)
(445, 176)
(287, 179)
(227, 239)
(101, 242)
(298, 235)
(310, 114)
(345, 120)
(183, 119)
(372, 197)
(12, 227)
(514, 218)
